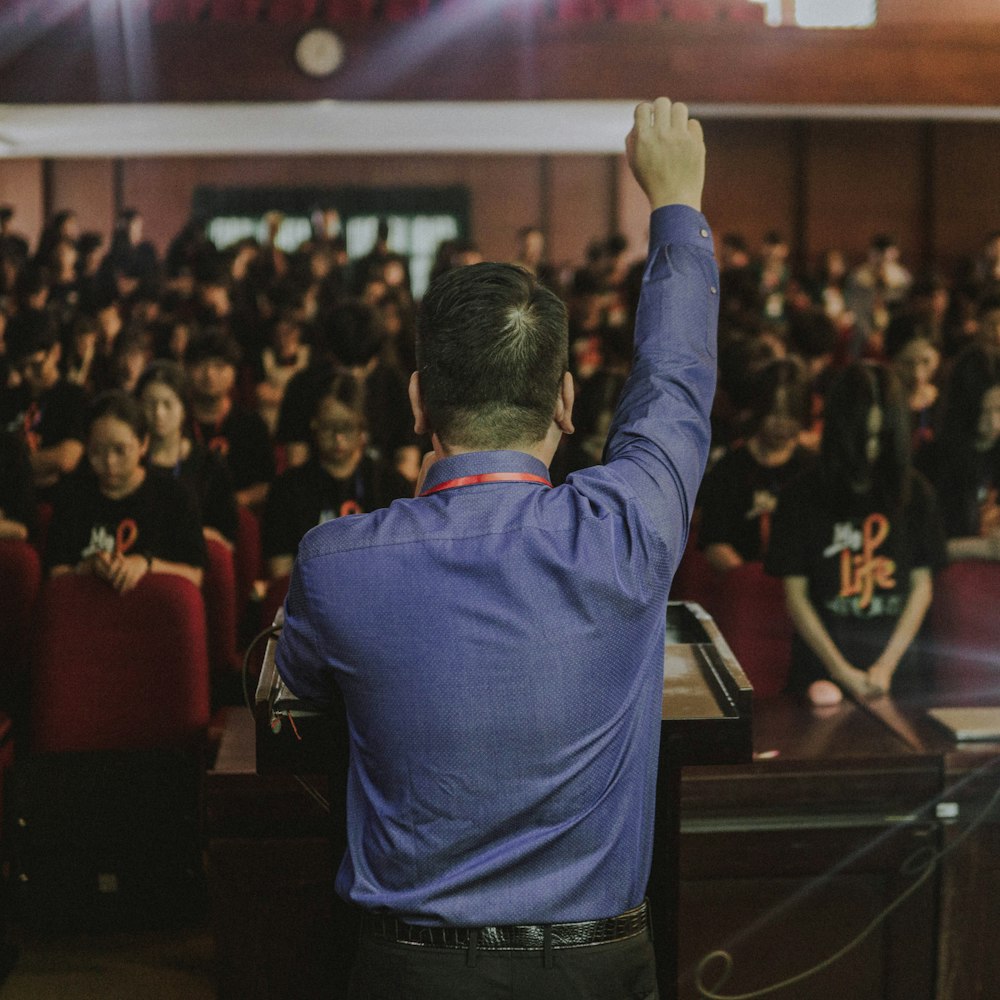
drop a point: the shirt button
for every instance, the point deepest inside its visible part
(713, 289)
(704, 233)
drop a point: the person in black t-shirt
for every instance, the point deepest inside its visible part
(46, 410)
(856, 541)
(163, 392)
(338, 479)
(239, 435)
(740, 492)
(18, 513)
(117, 519)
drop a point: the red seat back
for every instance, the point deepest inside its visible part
(751, 615)
(119, 671)
(221, 617)
(965, 633)
(248, 554)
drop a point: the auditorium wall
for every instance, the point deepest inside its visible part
(821, 183)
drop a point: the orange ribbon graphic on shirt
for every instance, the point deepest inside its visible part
(126, 536)
(861, 572)
(350, 507)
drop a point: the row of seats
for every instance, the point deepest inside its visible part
(313, 11)
(962, 636)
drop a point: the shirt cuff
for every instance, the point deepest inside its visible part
(679, 224)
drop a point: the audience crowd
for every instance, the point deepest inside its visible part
(856, 425)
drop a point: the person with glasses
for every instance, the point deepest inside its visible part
(338, 478)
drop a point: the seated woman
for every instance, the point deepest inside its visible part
(740, 492)
(338, 478)
(116, 519)
(964, 463)
(856, 540)
(916, 360)
(163, 393)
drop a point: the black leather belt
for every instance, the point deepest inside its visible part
(510, 937)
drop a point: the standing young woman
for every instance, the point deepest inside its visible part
(856, 541)
(163, 393)
(118, 520)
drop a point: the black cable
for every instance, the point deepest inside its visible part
(912, 863)
(268, 632)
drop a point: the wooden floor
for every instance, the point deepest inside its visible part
(150, 965)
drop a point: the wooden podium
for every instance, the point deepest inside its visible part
(707, 715)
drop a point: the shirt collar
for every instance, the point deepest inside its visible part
(476, 463)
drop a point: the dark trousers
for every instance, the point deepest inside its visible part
(621, 970)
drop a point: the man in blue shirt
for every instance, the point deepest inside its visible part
(498, 644)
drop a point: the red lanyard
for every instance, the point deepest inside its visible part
(487, 477)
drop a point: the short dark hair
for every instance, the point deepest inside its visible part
(213, 343)
(28, 332)
(782, 374)
(492, 347)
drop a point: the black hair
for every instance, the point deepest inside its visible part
(787, 375)
(492, 347)
(213, 343)
(902, 330)
(122, 406)
(349, 391)
(811, 333)
(856, 390)
(353, 334)
(28, 332)
(170, 374)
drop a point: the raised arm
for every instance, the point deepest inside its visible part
(660, 435)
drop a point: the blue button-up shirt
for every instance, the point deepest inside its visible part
(499, 647)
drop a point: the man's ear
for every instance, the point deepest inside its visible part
(563, 415)
(420, 425)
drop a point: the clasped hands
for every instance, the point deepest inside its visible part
(121, 571)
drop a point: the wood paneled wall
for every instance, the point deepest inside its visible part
(821, 183)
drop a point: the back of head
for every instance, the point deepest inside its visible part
(28, 332)
(492, 347)
(857, 390)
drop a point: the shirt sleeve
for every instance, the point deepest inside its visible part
(659, 438)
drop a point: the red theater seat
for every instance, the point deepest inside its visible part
(692, 10)
(221, 615)
(248, 556)
(751, 615)
(402, 10)
(348, 10)
(20, 583)
(965, 633)
(235, 10)
(637, 10)
(287, 11)
(695, 579)
(581, 10)
(119, 671)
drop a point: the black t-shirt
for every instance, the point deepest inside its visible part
(308, 495)
(59, 414)
(738, 497)
(967, 483)
(206, 473)
(160, 519)
(17, 489)
(242, 440)
(857, 559)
